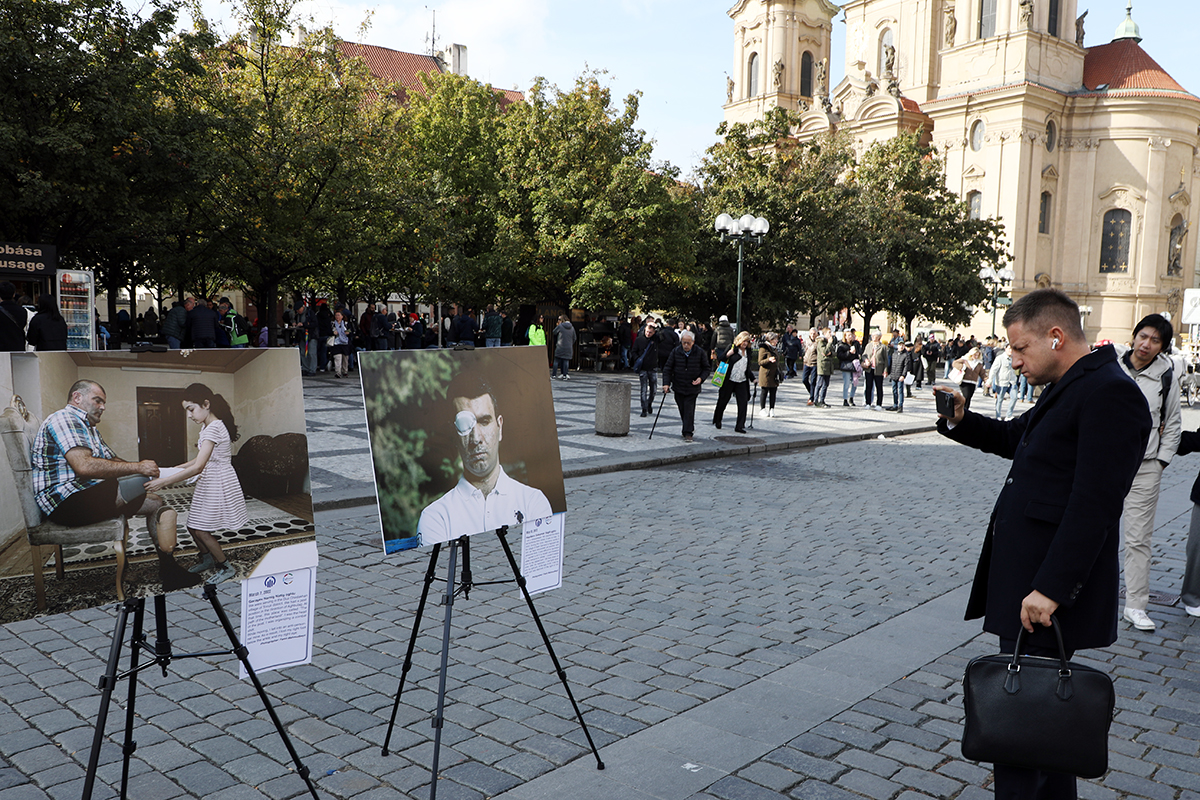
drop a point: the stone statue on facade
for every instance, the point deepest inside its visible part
(1026, 12)
(778, 74)
(728, 90)
(822, 77)
(1079, 28)
(1175, 249)
(889, 61)
(951, 26)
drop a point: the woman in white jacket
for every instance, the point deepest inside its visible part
(1003, 381)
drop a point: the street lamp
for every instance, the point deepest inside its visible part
(996, 279)
(748, 227)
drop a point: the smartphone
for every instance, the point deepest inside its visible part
(945, 403)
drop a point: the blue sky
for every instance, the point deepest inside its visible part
(675, 52)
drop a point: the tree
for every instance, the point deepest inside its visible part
(85, 141)
(585, 217)
(925, 251)
(295, 133)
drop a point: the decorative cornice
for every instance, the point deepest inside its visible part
(1079, 144)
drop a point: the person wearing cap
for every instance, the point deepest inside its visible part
(722, 338)
(686, 369)
(485, 497)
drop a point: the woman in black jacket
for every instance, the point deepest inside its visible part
(47, 329)
(737, 382)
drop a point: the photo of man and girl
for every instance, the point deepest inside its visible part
(133, 474)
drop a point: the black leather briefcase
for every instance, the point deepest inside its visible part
(1038, 712)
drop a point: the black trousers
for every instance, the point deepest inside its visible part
(768, 392)
(687, 411)
(730, 389)
(968, 391)
(1019, 783)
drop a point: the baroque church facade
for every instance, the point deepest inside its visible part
(1087, 154)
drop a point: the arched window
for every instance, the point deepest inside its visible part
(1052, 25)
(806, 69)
(1114, 242)
(975, 204)
(1044, 208)
(885, 42)
(987, 18)
(752, 69)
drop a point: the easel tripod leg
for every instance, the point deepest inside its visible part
(441, 698)
(107, 683)
(502, 534)
(243, 654)
(135, 649)
(412, 643)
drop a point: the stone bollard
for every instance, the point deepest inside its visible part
(612, 408)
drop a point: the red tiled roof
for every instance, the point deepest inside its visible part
(508, 96)
(393, 66)
(908, 104)
(1125, 67)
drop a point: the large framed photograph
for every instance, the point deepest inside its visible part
(462, 441)
(134, 474)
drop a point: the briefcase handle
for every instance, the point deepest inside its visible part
(1012, 683)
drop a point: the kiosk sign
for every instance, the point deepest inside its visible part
(35, 258)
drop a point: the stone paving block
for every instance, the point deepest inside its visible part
(871, 785)
(870, 762)
(818, 790)
(734, 788)
(484, 779)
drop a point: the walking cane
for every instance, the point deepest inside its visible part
(753, 402)
(655, 425)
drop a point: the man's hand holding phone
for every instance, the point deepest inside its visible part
(951, 404)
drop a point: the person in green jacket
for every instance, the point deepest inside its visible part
(826, 359)
(537, 332)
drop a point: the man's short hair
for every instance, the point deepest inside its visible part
(7, 291)
(686, 334)
(1046, 308)
(1166, 331)
(83, 386)
(470, 386)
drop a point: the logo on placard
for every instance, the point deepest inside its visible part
(269, 582)
(288, 578)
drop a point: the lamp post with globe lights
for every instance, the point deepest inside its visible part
(996, 279)
(747, 227)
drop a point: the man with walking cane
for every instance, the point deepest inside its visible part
(686, 369)
(1052, 542)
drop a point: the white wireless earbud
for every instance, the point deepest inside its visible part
(1054, 344)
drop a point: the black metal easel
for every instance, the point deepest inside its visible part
(161, 657)
(448, 600)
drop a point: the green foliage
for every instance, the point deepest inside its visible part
(396, 401)
(584, 218)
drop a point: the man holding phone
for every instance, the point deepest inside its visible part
(1052, 542)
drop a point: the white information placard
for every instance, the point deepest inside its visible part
(542, 553)
(277, 619)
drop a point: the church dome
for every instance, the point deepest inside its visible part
(1128, 29)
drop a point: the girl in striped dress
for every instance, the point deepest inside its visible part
(218, 503)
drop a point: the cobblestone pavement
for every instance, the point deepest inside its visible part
(782, 625)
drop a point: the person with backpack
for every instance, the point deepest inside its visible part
(1147, 362)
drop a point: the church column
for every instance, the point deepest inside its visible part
(1030, 142)
(1149, 262)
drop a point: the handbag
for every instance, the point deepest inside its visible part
(718, 378)
(1037, 712)
(910, 379)
(331, 341)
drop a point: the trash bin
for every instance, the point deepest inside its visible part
(612, 408)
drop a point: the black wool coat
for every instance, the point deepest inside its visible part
(1056, 522)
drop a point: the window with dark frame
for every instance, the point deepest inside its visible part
(1052, 25)
(1114, 242)
(806, 74)
(752, 67)
(1044, 213)
(987, 19)
(975, 205)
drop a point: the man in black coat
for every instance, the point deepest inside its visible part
(645, 363)
(686, 369)
(12, 320)
(202, 323)
(1052, 542)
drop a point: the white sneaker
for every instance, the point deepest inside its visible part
(1192, 611)
(1139, 619)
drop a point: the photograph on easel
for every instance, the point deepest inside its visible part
(462, 441)
(134, 474)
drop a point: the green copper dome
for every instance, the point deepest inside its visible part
(1128, 29)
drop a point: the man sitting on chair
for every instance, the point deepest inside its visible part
(77, 478)
(485, 497)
